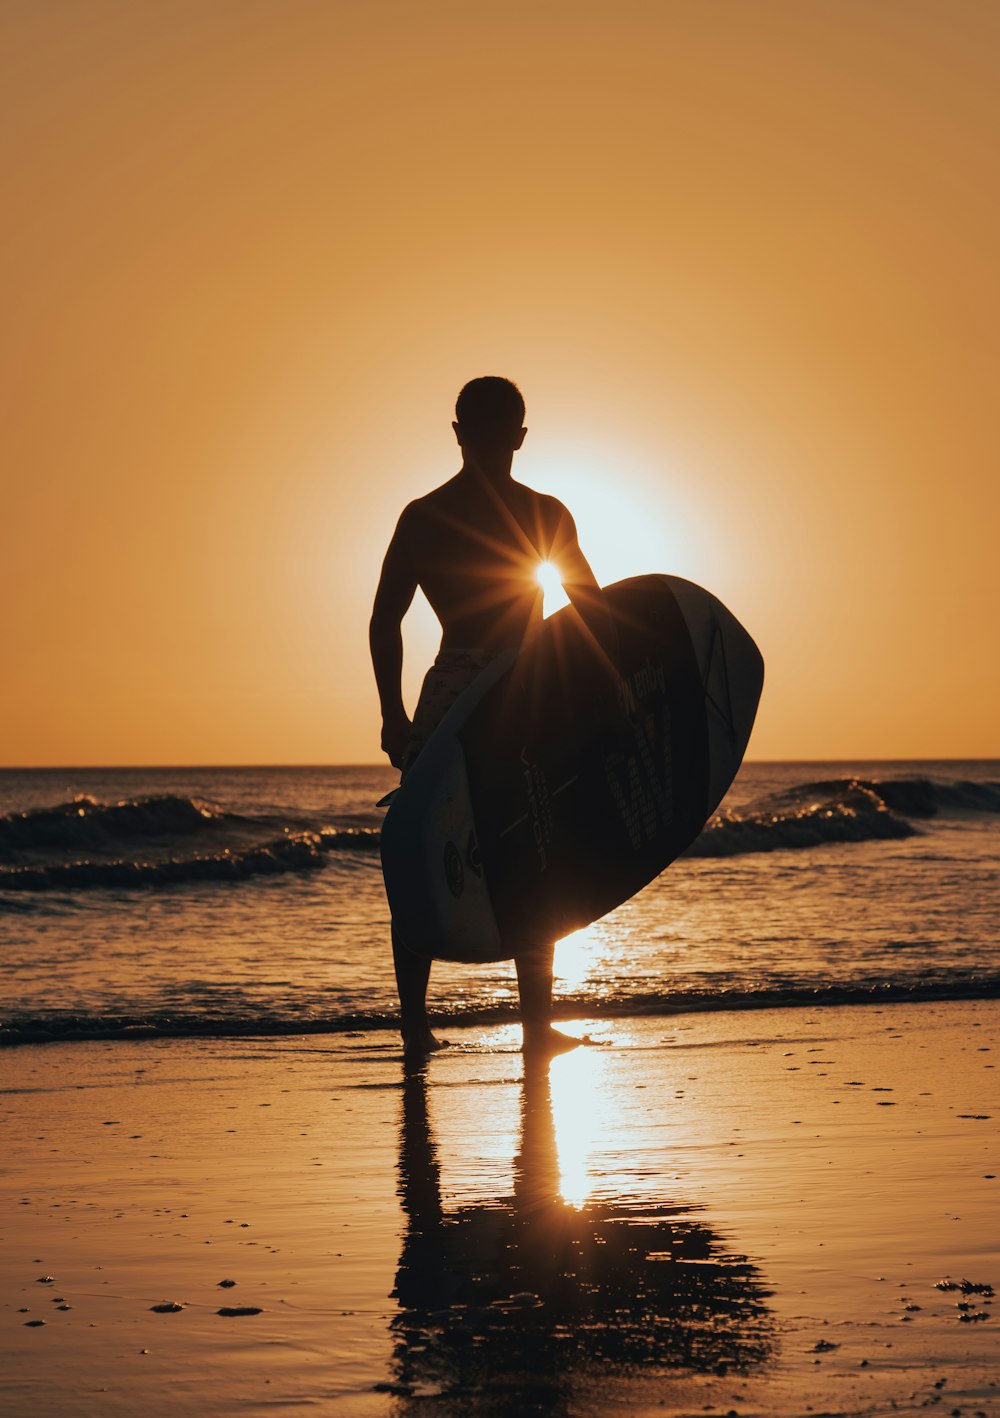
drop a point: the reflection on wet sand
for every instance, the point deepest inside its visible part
(521, 1304)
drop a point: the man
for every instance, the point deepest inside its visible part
(474, 546)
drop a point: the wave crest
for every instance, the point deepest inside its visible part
(300, 852)
(833, 810)
(84, 824)
(854, 814)
(911, 796)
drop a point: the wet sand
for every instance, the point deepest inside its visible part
(773, 1213)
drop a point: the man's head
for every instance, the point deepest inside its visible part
(489, 416)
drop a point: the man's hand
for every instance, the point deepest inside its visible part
(395, 737)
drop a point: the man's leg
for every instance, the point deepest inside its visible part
(534, 983)
(412, 974)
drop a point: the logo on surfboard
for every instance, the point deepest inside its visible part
(454, 872)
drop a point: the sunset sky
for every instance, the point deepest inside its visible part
(739, 255)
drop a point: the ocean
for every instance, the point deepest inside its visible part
(238, 901)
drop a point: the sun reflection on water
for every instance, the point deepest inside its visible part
(548, 1259)
(579, 1117)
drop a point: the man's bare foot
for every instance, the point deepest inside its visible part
(421, 1044)
(546, 1042)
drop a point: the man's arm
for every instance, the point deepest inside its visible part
(396, 588)
(581, 586)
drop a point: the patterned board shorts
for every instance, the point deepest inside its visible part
(449, 676)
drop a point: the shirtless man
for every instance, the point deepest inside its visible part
(474, 546)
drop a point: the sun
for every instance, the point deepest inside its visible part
(618, 505)
(554, 597)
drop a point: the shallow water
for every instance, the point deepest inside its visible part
(250, 900)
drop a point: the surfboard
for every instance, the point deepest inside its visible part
(558, 786)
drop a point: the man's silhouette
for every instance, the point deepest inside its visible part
(474, 546)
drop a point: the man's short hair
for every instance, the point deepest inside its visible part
(489, 412)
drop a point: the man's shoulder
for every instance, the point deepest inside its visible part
(431, 501)
(548, 510)
(426, 506)
(553, 507)
(459, 498)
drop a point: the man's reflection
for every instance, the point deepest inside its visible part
(517, 1303)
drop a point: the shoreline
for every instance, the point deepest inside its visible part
(779, 1191)
(23, 1031)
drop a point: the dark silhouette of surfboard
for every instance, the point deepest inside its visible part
(556, 787)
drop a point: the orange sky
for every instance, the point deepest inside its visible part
(740, 255)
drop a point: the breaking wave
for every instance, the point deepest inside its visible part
(84, 824)
(911, 796)
(841, 810)
(847, 811)
(301, 852)
(83, 843)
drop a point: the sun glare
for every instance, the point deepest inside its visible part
(577, 1114)
(576, 956)
(617, 504)
(554, 597)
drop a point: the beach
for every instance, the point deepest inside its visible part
(775, 1211)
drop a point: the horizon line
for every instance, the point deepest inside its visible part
(259, 766)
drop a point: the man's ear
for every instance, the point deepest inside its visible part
(458, 436)
(520, 439)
